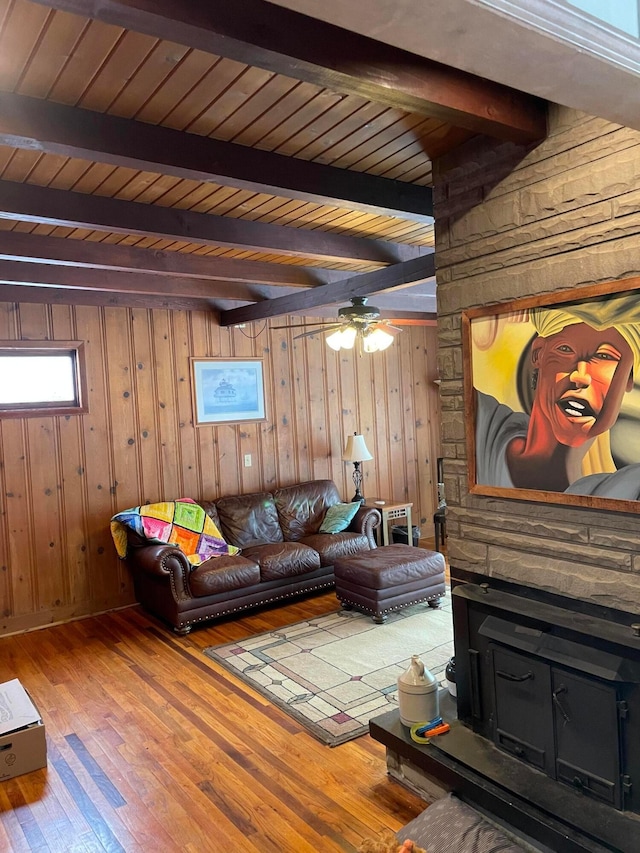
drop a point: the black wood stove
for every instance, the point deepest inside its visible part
(545, 732)
(557, 689)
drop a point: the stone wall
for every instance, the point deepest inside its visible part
(512, 222)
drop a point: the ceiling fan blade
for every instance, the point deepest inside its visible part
(295, 326)
(318, 331)
(403, 322)
(386, 326)
(325, 323)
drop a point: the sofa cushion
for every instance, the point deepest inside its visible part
(224, 574)
(331, 548)
(302, 508)
(210, 508)
(247, 520)
(283, 560)
(338, 517)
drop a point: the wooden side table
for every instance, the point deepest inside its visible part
(391, 511)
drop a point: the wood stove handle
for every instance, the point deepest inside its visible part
(556, 693)
(508, 676)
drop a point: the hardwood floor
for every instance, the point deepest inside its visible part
(153, 747)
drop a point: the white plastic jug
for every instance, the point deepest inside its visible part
(417, 694)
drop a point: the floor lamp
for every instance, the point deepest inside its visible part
(356, 451)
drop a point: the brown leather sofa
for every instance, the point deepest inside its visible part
(282, 555)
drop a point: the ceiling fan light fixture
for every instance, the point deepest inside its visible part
(359, 323)
(369, 343)
(359, 311)
(334, 340)
(377, 340)
(349, 335)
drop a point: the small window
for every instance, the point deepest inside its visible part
(41, 378)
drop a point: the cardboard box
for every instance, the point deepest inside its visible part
(23, 746)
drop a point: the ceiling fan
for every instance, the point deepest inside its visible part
(357, 321)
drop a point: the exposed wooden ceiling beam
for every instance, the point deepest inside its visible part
(17, 246)
(63, 296)
(397, 276)
(176, 302)
(34, 124)
(30, 203)
(286, 42)
(28, 274)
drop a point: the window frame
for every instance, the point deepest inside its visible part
(54, 407)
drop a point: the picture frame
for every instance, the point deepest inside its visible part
(552, 397)
(227, 391)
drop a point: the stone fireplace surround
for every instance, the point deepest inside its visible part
(514, 222)
(571, 786)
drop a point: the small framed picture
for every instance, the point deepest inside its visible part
(227, 390)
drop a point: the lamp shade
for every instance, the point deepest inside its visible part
(356, 449)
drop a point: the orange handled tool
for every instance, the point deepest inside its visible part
(421, 734)
(436, 730)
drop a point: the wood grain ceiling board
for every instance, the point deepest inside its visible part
(287, 42)
(420, 235)
(162, 244)
(97, 66)
(87, 64)
(20, 165)
(83, 176)
(84, 255)
(126, 147)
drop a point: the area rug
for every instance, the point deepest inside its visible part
(333, 673)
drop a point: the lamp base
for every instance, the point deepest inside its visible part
(357, 482)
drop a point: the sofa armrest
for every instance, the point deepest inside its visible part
(365, 521)
(163, 561)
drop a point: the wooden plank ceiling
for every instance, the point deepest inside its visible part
(224, 155)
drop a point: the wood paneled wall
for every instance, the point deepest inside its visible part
(62, 478)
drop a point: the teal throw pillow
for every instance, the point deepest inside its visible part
(338, 517)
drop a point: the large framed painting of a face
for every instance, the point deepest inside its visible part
(552, 397)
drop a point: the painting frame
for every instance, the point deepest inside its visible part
(496, 459)
(227, 391)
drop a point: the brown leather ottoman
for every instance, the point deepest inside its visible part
(389, 578)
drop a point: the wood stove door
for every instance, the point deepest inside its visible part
(586, 734)
(523, 714)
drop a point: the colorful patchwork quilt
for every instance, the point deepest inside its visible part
(183, 523)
